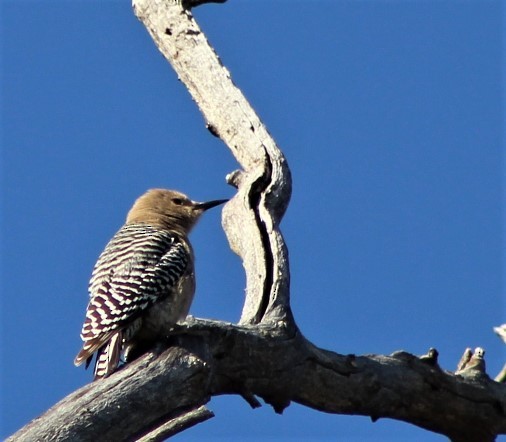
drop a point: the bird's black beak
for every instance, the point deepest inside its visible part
(209, 204)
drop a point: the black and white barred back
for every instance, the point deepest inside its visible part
(139, 267)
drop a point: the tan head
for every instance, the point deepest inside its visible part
(168, 209)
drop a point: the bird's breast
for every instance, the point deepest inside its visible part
(159, 319)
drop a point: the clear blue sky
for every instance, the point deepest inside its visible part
(391, 116)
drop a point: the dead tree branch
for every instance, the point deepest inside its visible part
(265, 355)
(251, 219)
(208, 358)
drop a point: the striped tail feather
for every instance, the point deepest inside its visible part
(108, 356)
(90, 347)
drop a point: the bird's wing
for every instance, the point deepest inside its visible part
(144, 270)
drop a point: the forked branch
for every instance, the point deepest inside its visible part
(265, 355)
(252, 218)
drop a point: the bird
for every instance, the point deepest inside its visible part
(143, 282)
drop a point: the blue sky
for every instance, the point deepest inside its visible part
(391, 116)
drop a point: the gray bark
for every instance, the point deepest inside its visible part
(265, 355)
(206, 358)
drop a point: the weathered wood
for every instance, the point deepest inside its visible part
(501, 332)
(134, 402)
(251, 218)
(265, 356)
(210, 358)
(174, 425)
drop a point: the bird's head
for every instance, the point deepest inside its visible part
(168, 209)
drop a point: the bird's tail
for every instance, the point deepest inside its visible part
(108, 349)
(108, 356)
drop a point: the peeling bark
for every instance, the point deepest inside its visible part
(265, 355)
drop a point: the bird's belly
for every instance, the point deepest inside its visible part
(159, 319)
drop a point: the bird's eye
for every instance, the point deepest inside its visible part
(177, 201)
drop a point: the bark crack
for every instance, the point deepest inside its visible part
(266, 355)
(255, 199)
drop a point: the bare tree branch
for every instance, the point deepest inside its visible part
(251, 219)
(501, 376)
(125, 405)
(193, 3)
(177, 424)
(265, 355)
(501, 332)
(208, 358)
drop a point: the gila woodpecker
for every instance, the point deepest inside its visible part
(143, 282)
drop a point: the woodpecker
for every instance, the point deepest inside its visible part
(143, 282)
